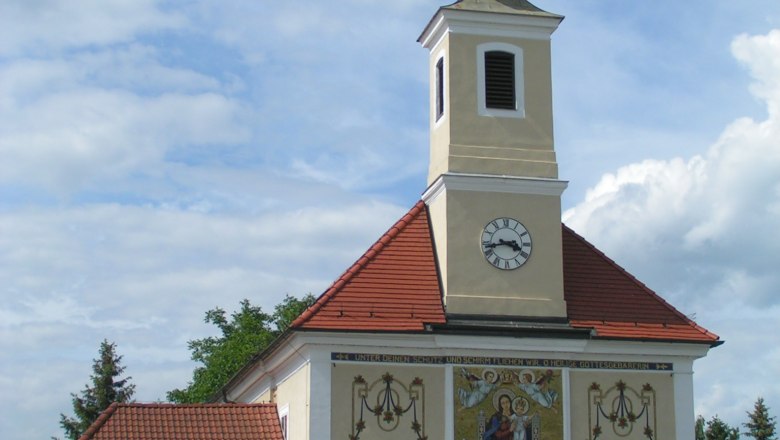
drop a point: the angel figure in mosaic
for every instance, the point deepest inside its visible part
(479, 387)
(538, 389)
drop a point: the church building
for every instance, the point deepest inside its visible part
(479, 315)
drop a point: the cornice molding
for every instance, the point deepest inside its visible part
(490, 183)
(304, 347)
(486, 24)
(421, 344)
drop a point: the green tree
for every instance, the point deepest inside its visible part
(289, 309)
(760, 425)
(699, 428)
(105, 389)
(248, 332)
(717, 429)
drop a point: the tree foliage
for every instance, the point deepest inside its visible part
(699, 429)
(760, 425)
(717, 429)
(105, 389)
(248, 332)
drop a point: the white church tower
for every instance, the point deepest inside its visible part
(494, 194)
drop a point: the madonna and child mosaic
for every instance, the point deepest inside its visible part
(508, 404)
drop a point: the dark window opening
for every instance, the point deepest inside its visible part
(500, 80)
(439, 88)
(283, 423)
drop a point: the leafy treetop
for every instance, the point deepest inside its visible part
(248, 332)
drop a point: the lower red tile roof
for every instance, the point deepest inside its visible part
(395, 286)
(138, 421)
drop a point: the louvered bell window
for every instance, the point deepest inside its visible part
(500, 80)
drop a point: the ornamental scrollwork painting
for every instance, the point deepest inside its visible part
(391, 403)
(621, 411)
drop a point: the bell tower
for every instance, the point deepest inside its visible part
(494, 195)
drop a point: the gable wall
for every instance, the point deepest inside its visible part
(657, 378)
(336, 371)
(284, 379)
(293, 393)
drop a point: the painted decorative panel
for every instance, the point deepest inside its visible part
(621, 411)
(508, 404)
(390, 405)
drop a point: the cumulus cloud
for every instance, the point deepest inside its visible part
(752, 51)
(703, 231)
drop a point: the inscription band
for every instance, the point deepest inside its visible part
(500, 361)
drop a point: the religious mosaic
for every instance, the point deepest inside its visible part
(508, 404)
(388, 405)
(621, 412)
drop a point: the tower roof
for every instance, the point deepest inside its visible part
(395, 287)
(516, 7)
(495, 17)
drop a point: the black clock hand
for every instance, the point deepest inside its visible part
(501, 242)
(511, 243)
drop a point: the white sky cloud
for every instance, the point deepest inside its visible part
(144, 277)
(45, 25)
(161, 158)
(73, 137)
(704, 229)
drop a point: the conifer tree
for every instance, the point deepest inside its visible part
(699, 428)
(105, 388)
(760, 425)
(717, 429)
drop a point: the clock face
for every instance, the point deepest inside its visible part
(506, 243)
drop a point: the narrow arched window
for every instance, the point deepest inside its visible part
(439, 88)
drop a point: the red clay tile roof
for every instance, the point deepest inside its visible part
(137, 421)
(602, 295)
(394, 286)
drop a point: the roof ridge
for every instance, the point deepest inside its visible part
(100, 421)
(639, 283)
(191, 405)
(361, 262)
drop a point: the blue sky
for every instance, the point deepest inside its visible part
(161, 158)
